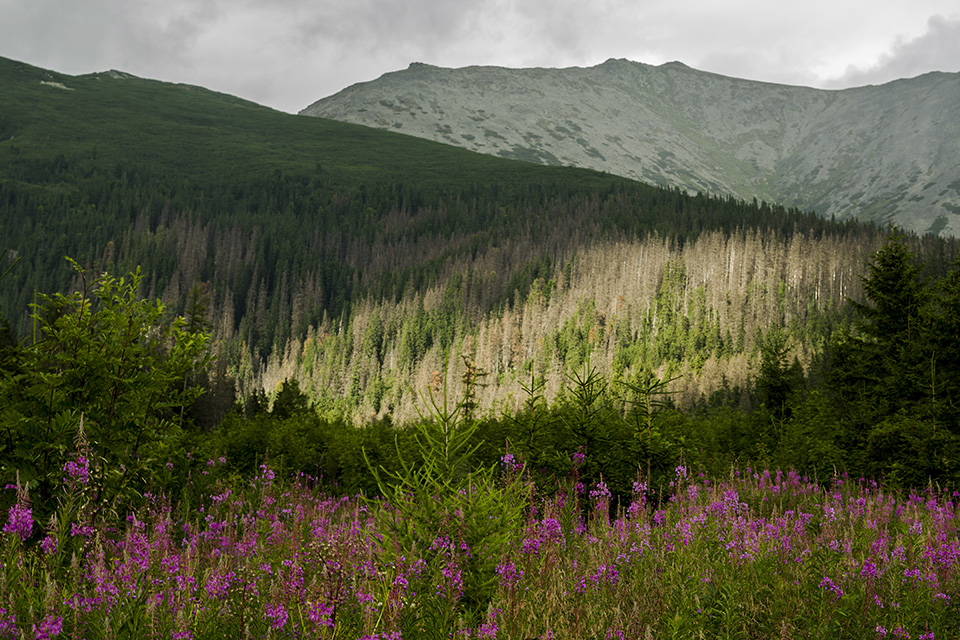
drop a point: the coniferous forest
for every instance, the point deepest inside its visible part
(212, 308)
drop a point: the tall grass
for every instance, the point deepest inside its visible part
(758, 554)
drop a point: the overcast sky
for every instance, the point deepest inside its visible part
(288, 53)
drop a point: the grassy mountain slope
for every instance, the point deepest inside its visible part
(888, 153)
(206, 139)
(368, 264)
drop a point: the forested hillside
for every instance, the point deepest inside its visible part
(368, 265)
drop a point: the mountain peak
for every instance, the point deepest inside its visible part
(889, 154)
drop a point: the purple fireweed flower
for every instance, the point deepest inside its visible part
(443, 544)
(78, 470)
(510, 463)
(508, 573)
(578, 459)
(828, 585)
(531, 546)
(686, 534)
(601, 492)
(49, 545)
(277, 613)
(731, 501)
(581, 586)
(320, 614)
(452, 573)
(50, 627)
(218, 584)
(487, 630)
(19, 521)
(550, 529)
(639, 502)
(610, 572)
(912, 573)
(8, 624)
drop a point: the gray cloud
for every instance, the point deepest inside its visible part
(288, 53)
(76, 34)
(936, 50)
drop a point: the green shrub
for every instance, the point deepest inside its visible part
(103, 385)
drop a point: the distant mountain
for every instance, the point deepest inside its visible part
(888, 153)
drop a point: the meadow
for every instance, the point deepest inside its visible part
(755, 554)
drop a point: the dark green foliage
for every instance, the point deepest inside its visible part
(443, 490)
(8, 341)
(891, 317)
(648, 396)
(893, 383)
(290, 401)
(943, 333)
(585, 406)
(779, 378)
(891, 322)
(908, 451)
(303, 442)
(105, 378)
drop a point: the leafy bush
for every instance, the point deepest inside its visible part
(103, 387)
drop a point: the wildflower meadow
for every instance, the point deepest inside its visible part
(756, 554)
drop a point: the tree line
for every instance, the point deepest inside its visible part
(111, 389)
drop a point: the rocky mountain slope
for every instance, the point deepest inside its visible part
(888, 153)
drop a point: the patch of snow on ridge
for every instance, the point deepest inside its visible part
(56, 85)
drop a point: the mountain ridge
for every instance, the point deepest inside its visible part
(886, 153)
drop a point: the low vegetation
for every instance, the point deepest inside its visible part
(754, 554)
